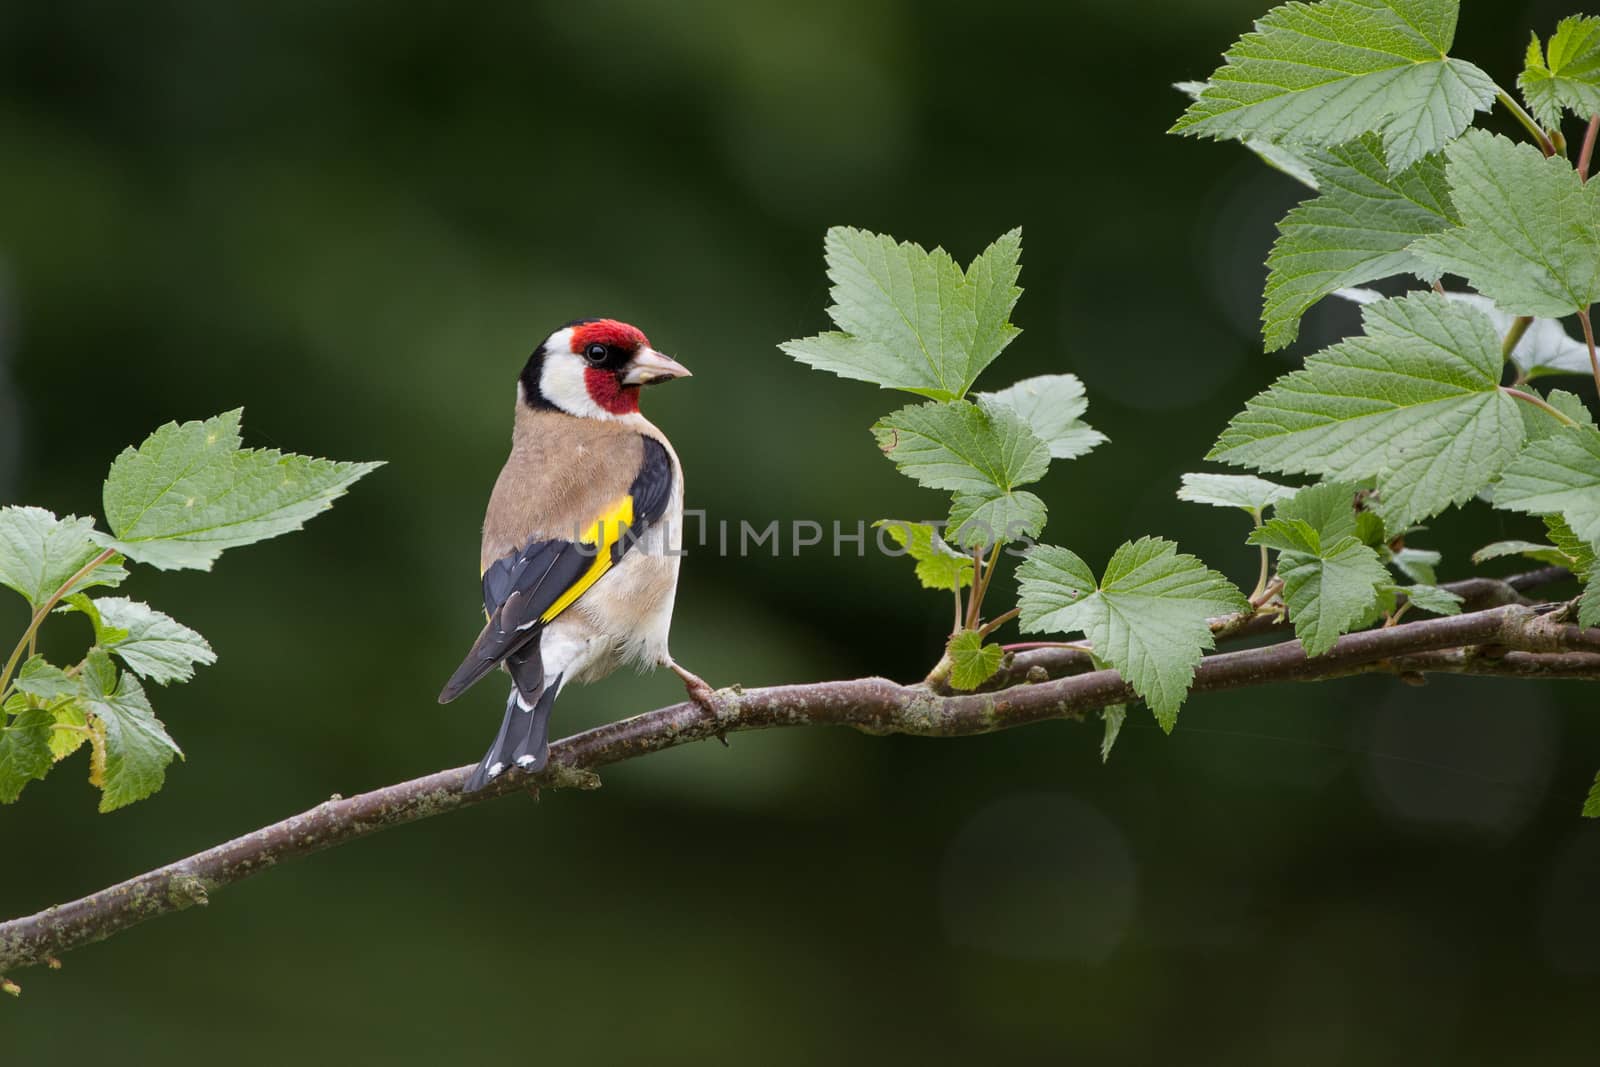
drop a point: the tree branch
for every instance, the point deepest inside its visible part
(1512, 640)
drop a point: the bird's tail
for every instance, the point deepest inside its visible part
(523, 740)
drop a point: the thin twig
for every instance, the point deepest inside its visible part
(871, 705)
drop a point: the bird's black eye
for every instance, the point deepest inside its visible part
(595, 353)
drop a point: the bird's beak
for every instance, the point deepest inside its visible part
(650, 366)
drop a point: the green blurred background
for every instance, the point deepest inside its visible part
(355, 219)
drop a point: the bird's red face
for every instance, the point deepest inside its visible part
(595, 368)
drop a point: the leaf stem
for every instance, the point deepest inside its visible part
(980, 586)
(43, 612)
(1266, 562)
(1588, 337)
(1540, 403)
(1586, 154)
(1528, 122)
(1030, 646)
(1514, 336)
(998, 621)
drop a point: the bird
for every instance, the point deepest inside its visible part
(582, 538)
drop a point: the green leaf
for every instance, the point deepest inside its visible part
(1287, 535)
(971, 661)
(1052, 405)
(1559, 475)
(1148, 617)
(1290, 160)
(64, 743)
(39, 553)
(1330, 589)
(1432, 599)
(938, 565)
(1572, 406)
(1326, 73)
(1571, 77)
(138, 747)
(1415, 403)
(1356, 231)
(1580, 553)
(1417, 564)
(1330, 509)
(1589, 606)
(1546, 348)
(1530, 233)
(910, 318)
(44, 681)
(1591, 806)
(1243, 491)
(1113, 716)
(24, 751)
(190, 492)
(152, 644)
(963, 447)
(979, 520)
(1530, 549)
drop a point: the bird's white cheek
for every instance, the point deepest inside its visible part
(562, 384)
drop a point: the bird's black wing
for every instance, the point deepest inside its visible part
(525, 590)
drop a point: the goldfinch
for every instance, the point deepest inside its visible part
(582, 538)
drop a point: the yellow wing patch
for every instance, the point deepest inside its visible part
(603, 534)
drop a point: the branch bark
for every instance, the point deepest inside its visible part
(1511, 640)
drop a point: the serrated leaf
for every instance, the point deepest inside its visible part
(1330, 591)
(1580, 553)
(137, 746)
(24, 751)
(963, 447)
(39, 553)
(979, 520)
(1330, 509)
(64, 742)
(1529, 549)
(1289, 159)
(1326, 73)
(1052, 405)
(1546, 348)
(1287, 535)
(1591, 806)
(971, 661)
(1113, 716)
(911, 319)
(1432, 599)
(1148, 616)
(1530, 233)
(44, 681)
(1244, 491)
(938, 565)
(1357, 230)
(1417, 564)
(152, 644)
(1589, 606)
(1559, 475)
(1570, 78)
(1415, 403)
(189, 492)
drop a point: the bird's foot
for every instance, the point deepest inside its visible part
(698, 688)
(701, 693)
